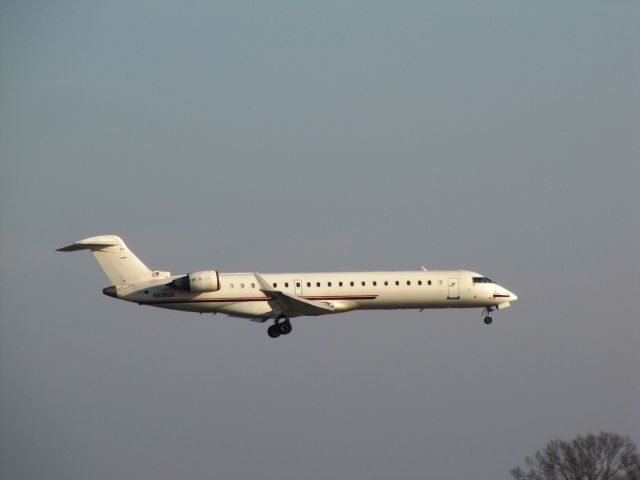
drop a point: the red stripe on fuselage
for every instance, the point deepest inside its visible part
(259, 299)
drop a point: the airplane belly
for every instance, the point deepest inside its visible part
(247, 309)
(199, 307)
(415, 300)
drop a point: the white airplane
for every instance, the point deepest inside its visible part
(281, 296)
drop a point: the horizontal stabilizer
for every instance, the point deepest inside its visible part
(93, 243)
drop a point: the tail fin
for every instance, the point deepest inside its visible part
(119, 263)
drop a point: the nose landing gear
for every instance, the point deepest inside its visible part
(486, 313)
(282, 326)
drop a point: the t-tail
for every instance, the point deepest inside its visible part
(119, 264)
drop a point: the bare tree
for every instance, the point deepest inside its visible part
(606, 456)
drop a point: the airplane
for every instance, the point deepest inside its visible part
(281, 296)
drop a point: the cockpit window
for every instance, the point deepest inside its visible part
(481, 280)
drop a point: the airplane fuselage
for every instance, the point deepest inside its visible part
(240, 294)
(281, 296)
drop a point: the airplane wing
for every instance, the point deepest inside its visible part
(291, 305)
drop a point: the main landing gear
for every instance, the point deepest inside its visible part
(487, 315)
(282, 326)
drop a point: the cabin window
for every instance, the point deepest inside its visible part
(317, 284)
(428, 282)
(351, 283)
(397, 282)
(298, 284)
(364, 283)
(275, 285)
(339, 284)
(408, 282)
(308, 284)
(440, 282)
(231, 285)
(419, 282)
(375, 284)
(328, 284)
(242, 285)
(253, 285)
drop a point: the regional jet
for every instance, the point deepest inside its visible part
(281, 296)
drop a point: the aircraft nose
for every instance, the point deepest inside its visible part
(512, 296)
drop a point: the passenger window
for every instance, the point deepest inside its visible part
(386, 283)
(408, 282)
(253, 285)
(328, 284)
(317, 284)
(231, 285)
(275, 285)
(339, 284)
(242, 285)
(364, 283)
(351, 283)
(375, 284)
(429, 282)
(419, 282)
(397, 282)
(440, 282)
(308, 284)
(298, 284)
(286, 284)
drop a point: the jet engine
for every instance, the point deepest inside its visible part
(205, 281)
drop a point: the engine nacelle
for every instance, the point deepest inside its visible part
(205, 281)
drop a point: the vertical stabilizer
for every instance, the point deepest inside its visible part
(119, 263)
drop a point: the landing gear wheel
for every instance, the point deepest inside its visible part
(488, 320)
(285, 327)
(274, 331)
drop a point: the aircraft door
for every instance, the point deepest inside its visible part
(298, 284)
(454, 289)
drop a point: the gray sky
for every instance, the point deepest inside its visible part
(277, 136)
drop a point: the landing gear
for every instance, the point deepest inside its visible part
(487, 316)
(285, 327)
(282, 326)
(274, 331)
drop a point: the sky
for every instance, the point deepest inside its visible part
(498, 136)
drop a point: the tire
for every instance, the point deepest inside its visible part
(274, 331)
(488, 320)
(285, 327)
